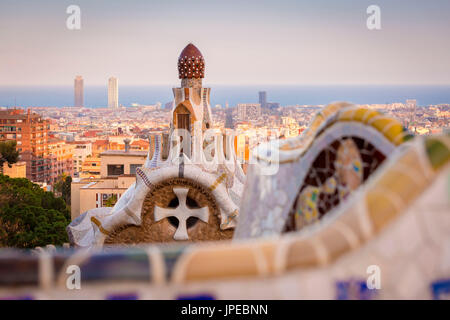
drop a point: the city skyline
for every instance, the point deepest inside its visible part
(282, 43)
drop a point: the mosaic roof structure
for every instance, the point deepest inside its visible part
(192, 195)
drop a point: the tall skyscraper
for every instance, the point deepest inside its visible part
(262, 98)
(113, 93)
(78, 92)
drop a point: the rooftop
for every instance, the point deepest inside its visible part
(130, 153)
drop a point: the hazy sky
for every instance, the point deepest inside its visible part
(243, 42)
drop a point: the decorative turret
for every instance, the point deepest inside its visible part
(191, 67)
(191, 102)
(191, 63)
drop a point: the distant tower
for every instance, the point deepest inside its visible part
(113, 93)
(78, 92)
(229, 119)
(262, 98)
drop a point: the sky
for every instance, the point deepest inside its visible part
(244, 42)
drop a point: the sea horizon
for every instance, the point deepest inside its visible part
(95, 96)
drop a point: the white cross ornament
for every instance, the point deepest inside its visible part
(182, 213)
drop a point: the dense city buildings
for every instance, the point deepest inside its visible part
(79, 92)
(48, 136)
(272, 105)
(81, 150)
(60, 155)
(113, 93)
(249, 111)
(46, 158)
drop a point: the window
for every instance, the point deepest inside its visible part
(184, 121)
(8, 129)
(133, 168)
(115, 169)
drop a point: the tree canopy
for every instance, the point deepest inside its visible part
(30, 216)
(62, 187)
(8, 153)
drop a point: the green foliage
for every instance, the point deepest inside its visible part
(62, 187)
(8, 153)
(57, 186)
(66, 190)
(30, 216)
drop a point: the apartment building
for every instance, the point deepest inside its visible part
(81, 150)
(90, 168)
(60, 154)
(117, 173)
(30, 131)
